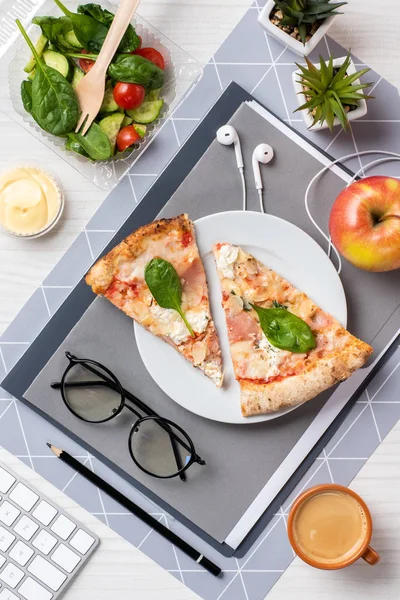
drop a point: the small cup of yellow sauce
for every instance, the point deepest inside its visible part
(31, 201)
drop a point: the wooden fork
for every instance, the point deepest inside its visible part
(91, 88)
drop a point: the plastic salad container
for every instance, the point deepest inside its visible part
(181, 74)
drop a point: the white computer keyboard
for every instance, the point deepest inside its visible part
(41, 547)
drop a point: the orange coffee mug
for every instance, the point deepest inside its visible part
(330, 527)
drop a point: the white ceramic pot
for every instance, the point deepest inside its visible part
(286, 39)
(352, 115)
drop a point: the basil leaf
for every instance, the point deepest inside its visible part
(166, 287)
(284, 330)
(26, 95)
(54, 103)
(90, 33)
(130, 40)
(95, 142)
(132, 68)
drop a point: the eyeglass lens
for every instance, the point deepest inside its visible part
(152, 448)
(89, 396)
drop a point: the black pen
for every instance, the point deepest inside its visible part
(136, 510)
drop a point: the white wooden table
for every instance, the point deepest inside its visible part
(370, 29)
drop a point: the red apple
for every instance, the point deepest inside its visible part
(365, 223)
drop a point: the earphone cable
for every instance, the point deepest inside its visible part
(244, 188)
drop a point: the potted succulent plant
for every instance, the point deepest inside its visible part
(332, 90)
(300, 24)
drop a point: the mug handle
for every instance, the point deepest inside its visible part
(370, 556)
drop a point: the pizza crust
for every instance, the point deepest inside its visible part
(262, 398)
(101, 275)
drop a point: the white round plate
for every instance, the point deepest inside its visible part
(282, 247)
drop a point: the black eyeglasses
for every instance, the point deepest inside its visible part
(157, 446)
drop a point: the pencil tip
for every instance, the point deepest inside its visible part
(48, 444)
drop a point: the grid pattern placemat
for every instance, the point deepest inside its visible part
(263, 67)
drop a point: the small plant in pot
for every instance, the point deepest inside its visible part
(332, 90)
(300, 24)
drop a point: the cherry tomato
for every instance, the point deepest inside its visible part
(129, 95)
(126, 137)
(153, 55)
(85, 63)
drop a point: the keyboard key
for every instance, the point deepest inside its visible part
(21, 553)
(32, 590)
(82, 541)
(11, 575)
(8, 513)
(46, 573)
(7, 595)
(65, 558)
(44, 542)
(44, 513)
(6, 539)
(26, 527)
(2, 561)
(63, 527)
(24, 497)
(6, 481)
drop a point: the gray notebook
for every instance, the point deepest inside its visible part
(226, 497)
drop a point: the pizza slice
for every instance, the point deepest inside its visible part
(186, 324)
(285, 349)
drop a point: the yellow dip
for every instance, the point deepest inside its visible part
(29, 200)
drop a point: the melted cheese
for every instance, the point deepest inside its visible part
(225, 259)
(259, 361)
(169, 323)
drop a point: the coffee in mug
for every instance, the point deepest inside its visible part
(330, 527)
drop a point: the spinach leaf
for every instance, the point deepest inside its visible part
(165, 285)
(74, 146)
(26, 95)
(284, 330)
(132, 68)
(95, 142)
(129, 42)
(55, 28)
(90, 33)
(54, 103)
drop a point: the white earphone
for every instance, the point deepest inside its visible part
(227, 135)
(263, 153)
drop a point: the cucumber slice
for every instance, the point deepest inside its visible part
(127, 121)
(111, 126)
(147, 112)
(141, 129)
(72, 40)
(40, 47)
(57, 61)
(109, 105)
(153, 95)
(78, 75)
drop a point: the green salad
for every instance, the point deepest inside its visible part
(67, 48)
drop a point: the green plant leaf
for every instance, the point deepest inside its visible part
(132, 68)
(95, 142)
(350, 79)
(165, 285)
(285, 330)
(26, 95)
(302, 27)
(54, 103)
(130, 41)
(90, 33)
